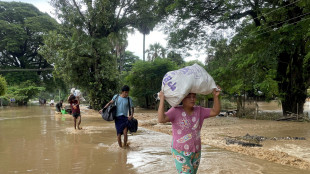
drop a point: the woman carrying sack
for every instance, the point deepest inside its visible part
(187, 120)
(122, 121)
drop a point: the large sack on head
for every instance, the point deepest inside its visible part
(191, 79)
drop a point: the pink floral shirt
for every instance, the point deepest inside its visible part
(186, 128)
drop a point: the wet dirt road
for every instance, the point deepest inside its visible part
(35, 140)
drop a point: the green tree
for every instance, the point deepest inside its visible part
(284, 24)
(128, 60)
(24, 92)
(145, 78)
(119, 43)
(175, 57)
(81, 53)
(22, 28)
(3, 86)
(252, 68)
(156, 51)
(150, 14)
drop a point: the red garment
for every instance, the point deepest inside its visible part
(74, 106)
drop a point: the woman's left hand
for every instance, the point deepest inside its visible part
(217, 91)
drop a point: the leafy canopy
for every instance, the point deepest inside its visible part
(145, 79)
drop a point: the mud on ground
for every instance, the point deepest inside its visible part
(284, 151)
(277, 148)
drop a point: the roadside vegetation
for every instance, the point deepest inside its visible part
(255, 52)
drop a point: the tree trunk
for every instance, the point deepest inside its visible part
(143, 46)
(291, 85)
(146, 101)
(239, 106)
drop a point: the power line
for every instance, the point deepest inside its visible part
(18, 70)
(282, 26)
(277, 9)
(281, 22)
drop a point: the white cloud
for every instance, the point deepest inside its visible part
(135, 44)
(135, 41)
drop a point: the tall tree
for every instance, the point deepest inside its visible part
(150, 14)
(22, 27)
(119, 43)
(82, 52)
(283, 23)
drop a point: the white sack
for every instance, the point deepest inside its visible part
(72, 91)
(77, 93)
(191, 79)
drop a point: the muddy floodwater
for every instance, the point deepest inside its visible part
(34, 139)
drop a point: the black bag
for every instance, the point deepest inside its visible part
(133, 125)
(109, 113)
(133, 122)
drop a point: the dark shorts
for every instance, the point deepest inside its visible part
(121, 122)
(76, 115)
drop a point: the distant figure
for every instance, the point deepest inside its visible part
(122, 121)
(52, 102)
(75, 107)
(187, 121)
(59, 106)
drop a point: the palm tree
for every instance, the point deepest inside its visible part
(154, 51)
(119, 42)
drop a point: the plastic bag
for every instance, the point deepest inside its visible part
(72, 91)
(191, 79)
(77, 93)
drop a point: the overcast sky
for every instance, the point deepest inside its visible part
(135, 41)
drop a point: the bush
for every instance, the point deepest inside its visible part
(4, 101)
(3, 85)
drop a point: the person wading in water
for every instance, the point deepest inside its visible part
(122, 120)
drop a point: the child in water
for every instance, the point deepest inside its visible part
(187, 121)
(75, 107)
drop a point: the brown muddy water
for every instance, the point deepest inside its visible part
(35, 140)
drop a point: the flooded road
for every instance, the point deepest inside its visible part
(35, 140)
